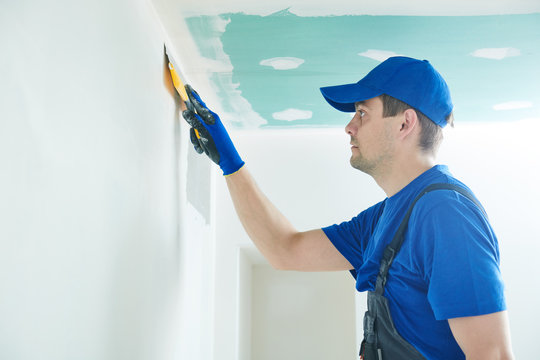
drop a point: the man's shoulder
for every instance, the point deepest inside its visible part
(451, 196)
(446, 211)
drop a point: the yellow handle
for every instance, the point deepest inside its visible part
(178, 84)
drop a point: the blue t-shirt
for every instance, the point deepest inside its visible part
(448, 265)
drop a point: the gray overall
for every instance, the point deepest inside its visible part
(381, 339)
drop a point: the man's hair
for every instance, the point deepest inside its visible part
(430, 134)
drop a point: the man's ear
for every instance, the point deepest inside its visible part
(409, 121)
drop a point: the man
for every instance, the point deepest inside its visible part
(427, 253)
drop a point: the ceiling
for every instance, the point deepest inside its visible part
(263, 69)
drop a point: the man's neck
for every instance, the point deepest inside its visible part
(402, 173)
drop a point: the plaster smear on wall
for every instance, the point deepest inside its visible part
(273, 65)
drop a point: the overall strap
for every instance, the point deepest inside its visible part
(392, 249)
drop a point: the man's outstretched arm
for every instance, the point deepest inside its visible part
(282, 245)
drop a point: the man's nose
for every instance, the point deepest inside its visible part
(351, 127)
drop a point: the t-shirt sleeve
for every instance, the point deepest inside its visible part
(460, 256)
(351, 237)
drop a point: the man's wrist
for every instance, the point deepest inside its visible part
(234, 170)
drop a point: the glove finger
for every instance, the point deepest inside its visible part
(199, 144)
(195, 120)
(195, 141)
(208, 144)
(200, 107)
(204, 149)
(189, 105)
(194, 95)
(193, 137)
(198, 149)
(205, 140)
(191, 118)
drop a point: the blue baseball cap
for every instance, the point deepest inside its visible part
(412, 81)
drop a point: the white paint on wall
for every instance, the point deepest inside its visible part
(379, 55)
(292, 115)
(513, 105)
(496, 53)
(196, 280)
(282, 63)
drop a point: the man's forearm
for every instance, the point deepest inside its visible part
(267, 227)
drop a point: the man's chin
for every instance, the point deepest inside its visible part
(355, 164)
(358, 165)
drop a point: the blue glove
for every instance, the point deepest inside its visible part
(208, 134)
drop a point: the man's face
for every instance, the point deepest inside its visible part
(371, 140)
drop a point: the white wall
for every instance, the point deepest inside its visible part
(94, 263)
(299, 315)
(306, 173)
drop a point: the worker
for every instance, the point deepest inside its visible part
(426, 254)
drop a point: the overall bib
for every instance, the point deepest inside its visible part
(381, 339)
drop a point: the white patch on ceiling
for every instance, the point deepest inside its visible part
(496, 53)
(379, 55)
(292, 114)
(282, 63)
(220, 24)
(513, 105)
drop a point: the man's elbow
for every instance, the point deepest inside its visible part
(280, 257)
(503, 354)
(279, 267)
(276, 263)
(281, 262)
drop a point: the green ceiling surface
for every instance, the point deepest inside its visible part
(332, 50)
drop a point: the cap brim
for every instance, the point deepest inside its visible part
(343, 97)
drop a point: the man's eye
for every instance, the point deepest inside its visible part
(362, 113)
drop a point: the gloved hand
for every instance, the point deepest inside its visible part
(212, 137)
